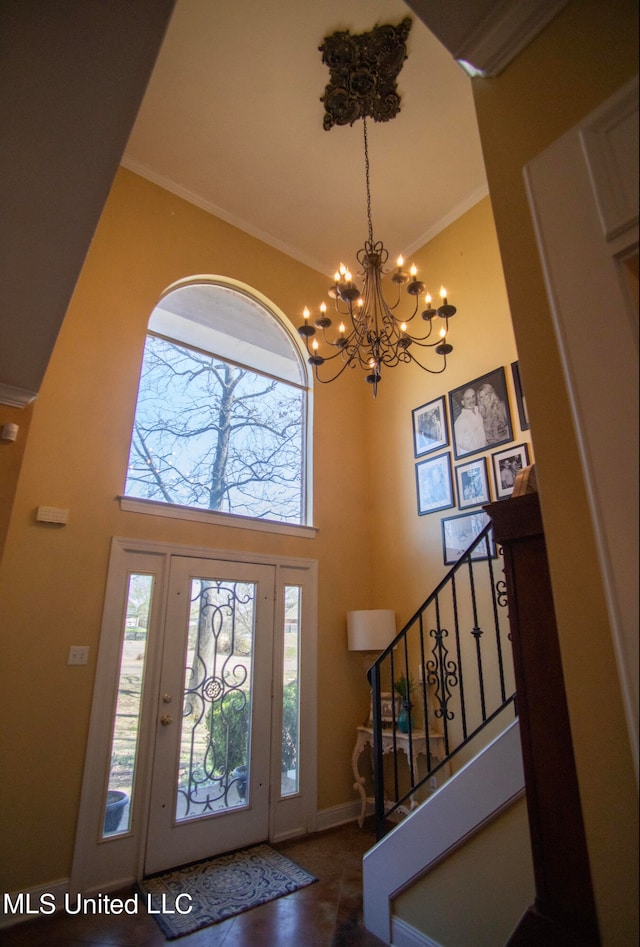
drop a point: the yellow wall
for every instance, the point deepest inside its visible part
(52, 578)
(460, 902)
(407, 551)
(464, 258)
(582, 57)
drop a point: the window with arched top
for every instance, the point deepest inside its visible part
(221, 415)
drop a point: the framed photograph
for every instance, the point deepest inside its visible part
(520, 399)
(472, 483)
(430, 428)
(507, 464)
(480, 415)
(434, 484)
(458, 532)
(390, 707)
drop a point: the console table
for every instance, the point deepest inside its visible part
(398, 741)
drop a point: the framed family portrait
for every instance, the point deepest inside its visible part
(430, 429)
(458, 532)
(434, 484)
(472, 483)
(507, 464)
(480, 415)
(520, 399)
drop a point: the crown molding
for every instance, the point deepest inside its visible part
(16, 397)
(485, 37)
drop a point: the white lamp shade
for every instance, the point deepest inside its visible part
(371, 629)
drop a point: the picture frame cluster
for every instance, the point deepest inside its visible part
(470, 422)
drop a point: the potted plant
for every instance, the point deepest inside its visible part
(404, 687)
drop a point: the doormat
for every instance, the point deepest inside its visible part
(190, 898)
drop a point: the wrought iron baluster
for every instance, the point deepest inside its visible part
(456, 625)
(477, 633)
(496, 619)
(423, 686)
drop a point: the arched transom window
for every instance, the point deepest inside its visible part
(220, 420)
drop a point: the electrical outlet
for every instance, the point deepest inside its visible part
(78, 654)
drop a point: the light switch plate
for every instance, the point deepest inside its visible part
(78, 654)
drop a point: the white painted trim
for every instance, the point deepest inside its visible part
(16, 397)
(160, 548)
(581, 191)
(168, 185)
(231, 520)
(610, 143)
(472, 797)
(144, 171)
(97, 862)
(507, 29)
(337, 815)
(404, 935)
(449, 218)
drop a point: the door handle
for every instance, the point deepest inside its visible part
(166, 719)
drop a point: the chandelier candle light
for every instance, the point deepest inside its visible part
(372, 332)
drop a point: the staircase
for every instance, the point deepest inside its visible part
(441, 684)
(469, 655)
(447, 755)
(484, 789)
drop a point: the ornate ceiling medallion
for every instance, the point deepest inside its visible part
(363, 70)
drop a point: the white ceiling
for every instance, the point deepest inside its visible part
(232, 120)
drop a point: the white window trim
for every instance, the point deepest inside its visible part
(215, 518)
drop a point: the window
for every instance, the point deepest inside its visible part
(126, 725)
(220, 420)
(290, 749)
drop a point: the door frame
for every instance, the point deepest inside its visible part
(105, 864)
(583, 198)
(171, 840)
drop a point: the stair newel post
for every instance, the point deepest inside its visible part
(564, 910)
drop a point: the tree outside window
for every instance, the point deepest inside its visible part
(214, 435)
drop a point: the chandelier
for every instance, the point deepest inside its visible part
(373, 331)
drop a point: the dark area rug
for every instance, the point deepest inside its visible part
(190, 898)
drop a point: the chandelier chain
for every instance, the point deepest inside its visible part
(366, 171)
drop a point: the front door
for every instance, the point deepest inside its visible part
(210, 782)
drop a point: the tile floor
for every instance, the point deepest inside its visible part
(325, 914)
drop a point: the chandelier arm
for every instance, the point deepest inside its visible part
(431, 371)
(428, 345)
(342, 312)
(327, 381)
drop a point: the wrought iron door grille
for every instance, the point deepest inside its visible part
(216, 722)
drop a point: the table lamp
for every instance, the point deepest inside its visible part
(371, 629)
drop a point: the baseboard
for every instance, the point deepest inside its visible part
(404, 935)
(40, 901)
(337, 815)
